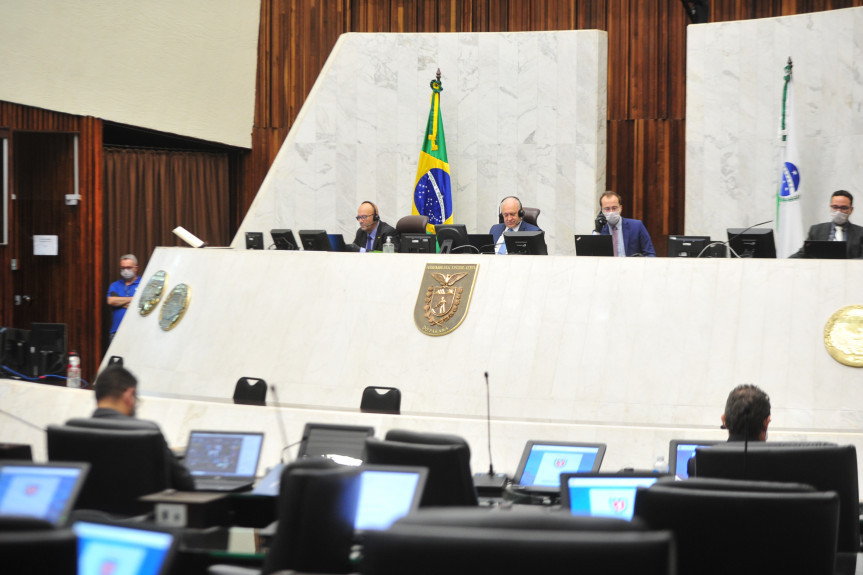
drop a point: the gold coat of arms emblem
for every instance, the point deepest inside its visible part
(444, 297)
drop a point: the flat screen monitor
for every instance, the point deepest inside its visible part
(42, 490)
(316, 241)
(105, 548)
(680, 451)
(47, 348)
(337, 242)
(14, 351)
(284, 240)
(542, 462)
(387, 493)
(483, 243)
(452, 237)
(417, 244)
(825, 249)
(526, 243)
(594, 245)
(687, 246)
(254, 241)
(602, 494)
(345, 444)
(752, 242)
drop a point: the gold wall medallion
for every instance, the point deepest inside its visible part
(174, 307)
(843, 335)
(152, 294)
(444, 297)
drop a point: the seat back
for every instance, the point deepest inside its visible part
(745, 532)
(412, 225)
(447, 457)
(250, 391)
(38, 549)
(531, 215)
(825, 467)
(126, 463)
(381, 399)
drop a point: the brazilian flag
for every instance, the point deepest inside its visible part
(432, 191)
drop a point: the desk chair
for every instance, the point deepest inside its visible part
(447, 457)
(749, 531)
(412, 225)
(381, 399)
(250, 391)
(126, 462)
(33, 546)
(530, 215)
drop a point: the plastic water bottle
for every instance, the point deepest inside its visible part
(389, 247)
(660, 466)
(73, 371)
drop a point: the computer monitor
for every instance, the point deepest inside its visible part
(42, 490)
(687, 246)
(387, 493)
(254, 241)
(752, 242)
(345, 444)
(316, 241)
(602, 494)
(594, 245)
(825, 249)
(139, 549)
(14, 351)
(47, 349)
(680, 451)
(284, 240)
(542, 462)
(525, 243)
(417, 244)
(452, 237)
(483, 243)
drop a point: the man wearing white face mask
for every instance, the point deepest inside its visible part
(121, 292)
(839, 228)
(629, 237)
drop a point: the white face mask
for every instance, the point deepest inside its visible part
(127, 274)
(838, 218)
(613, 218)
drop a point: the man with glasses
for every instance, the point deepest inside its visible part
(121, 292)
(629, 237)
(373, 232)
(117, 399)
(838, 228)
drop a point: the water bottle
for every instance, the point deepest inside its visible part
(389, 247)
(660, 466)
(73, 370)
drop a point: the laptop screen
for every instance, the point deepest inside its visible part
(344, 444)
(602, 495)
(542, 462)
(223, 453)
(681, 451)
(113, 549)
(44, 491)
(386, 494)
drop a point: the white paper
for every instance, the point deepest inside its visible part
(44, 245)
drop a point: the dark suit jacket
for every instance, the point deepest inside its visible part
(384, 230)
(181, 479)
(636, 240)
(853, 239)
(497, 229)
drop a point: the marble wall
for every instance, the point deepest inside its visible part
(733, 103)
(524, 114)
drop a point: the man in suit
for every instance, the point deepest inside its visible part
(117, 399)
(629, 237)
(512, 212)
(373, 231)
(747, 413)
(838, 228)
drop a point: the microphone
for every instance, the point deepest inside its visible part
(745, 439)
(491, 483)
(281, 423)
(727, 242)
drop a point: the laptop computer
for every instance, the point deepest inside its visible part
(106, 548)
(542, 462)
(680, 451)
(591, 245)
(223, 460)
(337, 241)
(42, 490)
(602, 494)
(344, 444)
(825, 249)
(387, 493)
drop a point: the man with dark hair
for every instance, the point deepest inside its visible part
(629, 237)
(747, 414)
(117, 398)
(838, 228)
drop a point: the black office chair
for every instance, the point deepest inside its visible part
(447, 457)
(381, 400)
(825, 467)
(412, 225)
(16, 451)
(722, 531)
(126, 462)
(250, 391)
(530, 215)
(30, 545)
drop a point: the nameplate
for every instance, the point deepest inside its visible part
(444, 297)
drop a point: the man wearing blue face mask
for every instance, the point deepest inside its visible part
(121, 292)
(629, 237)
(838, 228)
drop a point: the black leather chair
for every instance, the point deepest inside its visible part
(127, 461)
(250, 391)
(758, 529)
(447, 457)
(825, 467)
(34, 546)
(412, 224)
(530, 215)
(381, 399)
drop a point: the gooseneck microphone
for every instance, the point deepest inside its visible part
(22, 420)
(729, 240)
(491, 483)
(281, 423)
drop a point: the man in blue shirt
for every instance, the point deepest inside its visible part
(120, 292)
(629, 237)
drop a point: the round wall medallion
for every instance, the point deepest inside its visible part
(843, 335)
(152, 294)
(174, 307)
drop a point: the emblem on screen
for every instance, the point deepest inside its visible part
(444, 297)
(560, 462)
(619, 505)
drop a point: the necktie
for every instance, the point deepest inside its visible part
(502, 248)
(370, 243)
(839, 230)
(614, 239)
